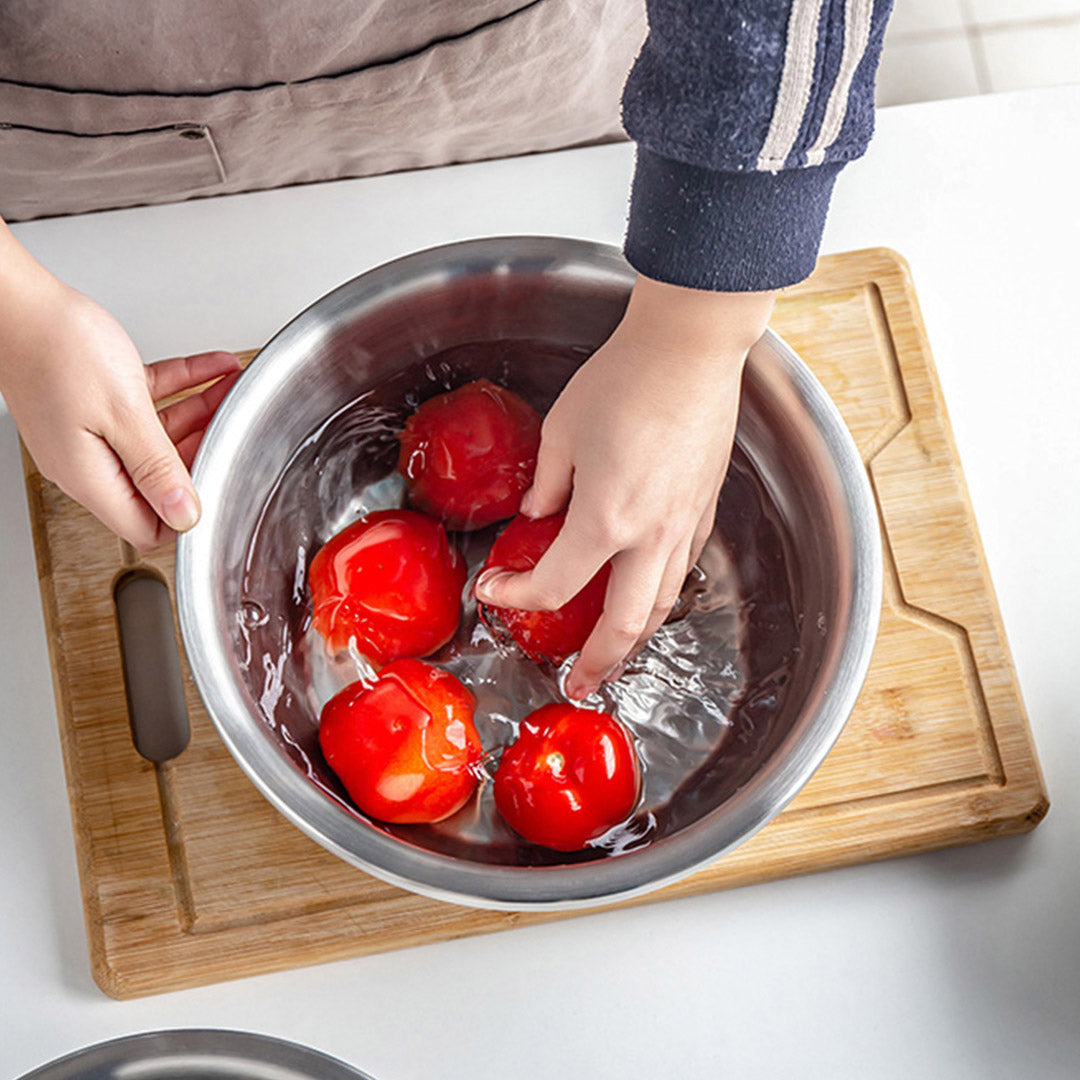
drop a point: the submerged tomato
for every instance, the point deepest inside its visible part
(392, 580)
(571, 775)
(544, 635)
(405, 747)
(469, 455)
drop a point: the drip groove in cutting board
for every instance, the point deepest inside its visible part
(190, 876)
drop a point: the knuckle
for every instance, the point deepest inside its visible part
(626, 631)
(664, 531)
(151, 470)
(612, 530)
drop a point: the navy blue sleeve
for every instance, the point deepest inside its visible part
(744, 112)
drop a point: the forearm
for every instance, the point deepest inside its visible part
(26, 291)
(693, 329)
(18, 268)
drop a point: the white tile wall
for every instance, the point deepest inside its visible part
(922, 17)
(986, 12)
(1025, 56)
(924, 70)
(951, 48)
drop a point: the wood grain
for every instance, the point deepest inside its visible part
(189, 876)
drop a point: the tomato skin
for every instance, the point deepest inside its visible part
(571, 775)
(392, 579)
(544, 635)
(470, 454)
(405, 747)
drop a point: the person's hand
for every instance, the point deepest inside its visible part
(84, 403)
(638, 443)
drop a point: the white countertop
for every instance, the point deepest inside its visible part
(964, 963)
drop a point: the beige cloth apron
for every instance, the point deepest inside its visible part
(113, 103)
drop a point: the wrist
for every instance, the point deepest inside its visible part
(695, 324)
(30, 297)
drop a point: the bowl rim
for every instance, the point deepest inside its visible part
(263, 1057)
(497, 886)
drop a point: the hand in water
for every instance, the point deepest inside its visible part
(638, 444)
(84, 403)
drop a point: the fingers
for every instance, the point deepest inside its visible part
(144, 440)
(667, 597)
(153, 464)
(640, 596)
(703, 531)
(168, 377)
(188, 447)
(631, 597)
(105, 489)
(559, 575)
(193, 413)
(552, 482)
(680, 564)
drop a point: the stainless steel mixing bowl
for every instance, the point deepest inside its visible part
(197, 1054)
(571, 294)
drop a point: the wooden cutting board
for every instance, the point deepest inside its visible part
(189, 876)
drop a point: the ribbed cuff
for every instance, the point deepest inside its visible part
(726, 231)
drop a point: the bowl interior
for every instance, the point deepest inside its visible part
(305, 443)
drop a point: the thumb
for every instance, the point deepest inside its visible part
(552, 483)
(155, 467)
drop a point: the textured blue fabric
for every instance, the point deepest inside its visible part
(709, 229)
(859, 122)
(699, 103)
(703, 86)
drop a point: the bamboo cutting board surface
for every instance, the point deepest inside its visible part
(189, 876)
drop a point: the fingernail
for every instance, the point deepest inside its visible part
(483, 585)
(527, 501)
(179, 509)
(580, 691)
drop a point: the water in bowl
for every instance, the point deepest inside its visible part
(699, 699)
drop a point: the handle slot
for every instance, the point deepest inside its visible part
(153, 681)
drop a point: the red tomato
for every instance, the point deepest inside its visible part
(544, 635)
(470, 455)
(571, 775)
(405, 747)
(392, 580)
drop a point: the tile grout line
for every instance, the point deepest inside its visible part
(971, 24)
(972, 31)
(925, 37)
(1039, 22)
(978, 56)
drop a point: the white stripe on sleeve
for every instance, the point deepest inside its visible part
(857, 18)
(796, 82)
